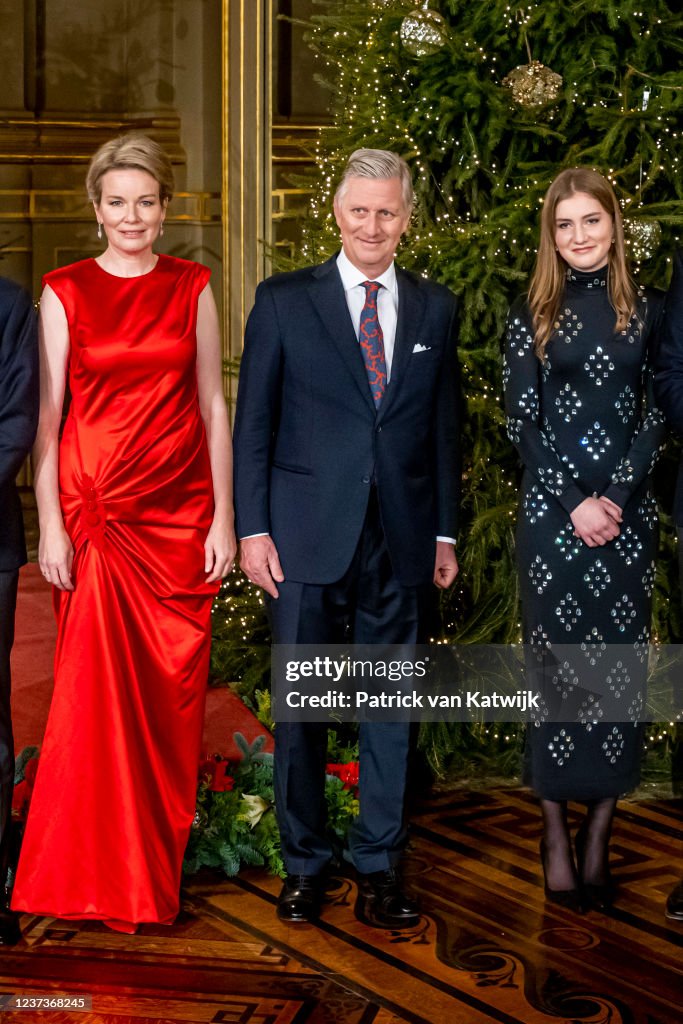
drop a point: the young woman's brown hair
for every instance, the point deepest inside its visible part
(550, 272)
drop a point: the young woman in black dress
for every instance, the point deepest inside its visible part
(580, 412)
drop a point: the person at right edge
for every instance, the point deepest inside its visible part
(581, 413)
(669, 391)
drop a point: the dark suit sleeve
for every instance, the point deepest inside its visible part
(257, 414)
(448, 451)
(18, 383)
(669, 362)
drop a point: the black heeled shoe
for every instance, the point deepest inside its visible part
(598, 895)
(570, 899)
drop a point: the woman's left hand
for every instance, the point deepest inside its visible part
(220, 548)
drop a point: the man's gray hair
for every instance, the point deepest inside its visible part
(377, 163)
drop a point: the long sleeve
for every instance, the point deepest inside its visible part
(522, 376)
(645, 449)
(447, 454)
(256, 415)
(18, 381)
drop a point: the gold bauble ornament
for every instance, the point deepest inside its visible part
(533, 85)
(643, 236)
(423, 32)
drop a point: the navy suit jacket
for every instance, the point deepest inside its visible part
(669, 368)
(18, 412)
(309, 442)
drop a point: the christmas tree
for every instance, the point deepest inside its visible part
(487, 101)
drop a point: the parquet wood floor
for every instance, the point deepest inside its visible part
(488, 948)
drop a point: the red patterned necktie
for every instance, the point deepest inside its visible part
(372, 343)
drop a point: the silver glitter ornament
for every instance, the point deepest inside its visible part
(533, 85)
(643, 237)
(423, 32)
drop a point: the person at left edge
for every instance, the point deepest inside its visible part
(135, 515)
(347, 465)
(18, 420)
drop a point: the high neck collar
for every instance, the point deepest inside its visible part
(588, 278)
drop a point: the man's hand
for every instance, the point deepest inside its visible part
(446, 564)
(260, 562)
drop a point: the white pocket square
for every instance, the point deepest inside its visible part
(421, 348)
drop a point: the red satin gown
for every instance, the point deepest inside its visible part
(115, 791)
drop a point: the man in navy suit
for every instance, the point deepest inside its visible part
(669, 391)
(18, 419)
(347, 477)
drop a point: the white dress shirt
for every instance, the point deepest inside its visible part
(387, 301)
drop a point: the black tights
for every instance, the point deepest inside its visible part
(592, 844)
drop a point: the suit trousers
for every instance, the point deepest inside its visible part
(8, 603)
(367, 605)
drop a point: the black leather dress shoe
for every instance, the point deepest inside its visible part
(381, 902)
(10, 933)
(674, 904)
(300, 898)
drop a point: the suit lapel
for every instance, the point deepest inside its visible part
(328, 297)
(411, 312)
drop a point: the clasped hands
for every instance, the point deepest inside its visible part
(596, 521)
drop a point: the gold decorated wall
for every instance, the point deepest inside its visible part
(225, 85)
(76, 74)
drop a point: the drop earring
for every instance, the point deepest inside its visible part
(99, 229)
(161, 230)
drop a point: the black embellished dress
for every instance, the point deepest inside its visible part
(584, 423)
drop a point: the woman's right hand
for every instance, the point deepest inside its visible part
(56, 556)
(593, 523)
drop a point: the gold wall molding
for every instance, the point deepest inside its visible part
(42, 140)
(247, 117)
(56, 204)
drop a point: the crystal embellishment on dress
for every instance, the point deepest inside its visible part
(618, 679)
(626, 405)
(534, 505)
(599, 365)
(623, 613)
(565, 679)
(568, 544)
(629, 545)
(528, 403)
(597, 578)
(540, 574)
(561, 746)
(568, 611)
(595, 441)
(593, 646)
(613, 746)
(568, 403)
(648, 579)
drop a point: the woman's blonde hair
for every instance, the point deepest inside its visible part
(132, 150)
(549, 278)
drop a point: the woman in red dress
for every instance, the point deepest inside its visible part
(136, 532)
